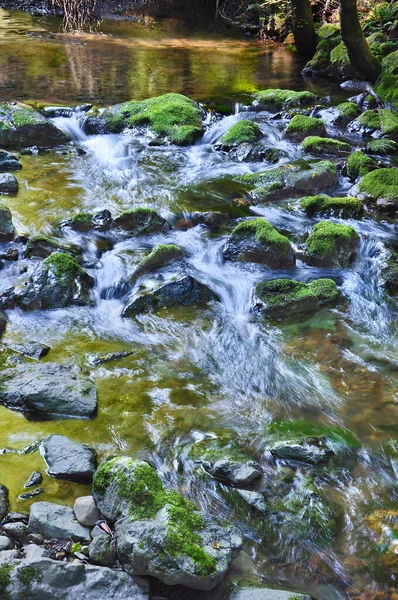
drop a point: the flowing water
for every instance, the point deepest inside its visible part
(193, 373)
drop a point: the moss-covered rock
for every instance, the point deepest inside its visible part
(82, 221)
(345, 206)
(328, 30)
(330, 243)
(6, 226)
(241, 132)
(383, 528)
(21, 125)
(322, 145)
(42, 246)
(358, 164)
(301, 126)
(292, 179)
(258, 241)
(390, 272)
(320, 63)
(348, 110)
(162, 534)
(278, 99)
(382, 147)
(173, 117)
(160, 256)
(382, 120)
(387, 88)
(141, 221)
(381, 187)
(390, 63)
(58, 282)
(284, 297)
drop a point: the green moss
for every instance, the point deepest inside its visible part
(390, 63)
(349, 109)
(382, 183)
(63, 265)
(383, 120)
(160, 256)
(303, 124)
(314, 143)
(339, 55)
(278, 98)
(326, 236)
(325, 290)
(5, 578)
(298, 429)
(382, 146)
(242, 131)
(212, 450)
(387, 88)
(328, 30)
(264, 232)
(358, 164)
(321, 58)
(324, 205)
(28, 574)
(24, 115)
(81, 217)
(41, 239)
(285, 293)
(144, 491)
(173, 116)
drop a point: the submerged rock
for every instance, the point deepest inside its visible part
(292, 179)
(57, 282)
(181, 292)
(380, 122)
(66, 459)
(286, 296)
(56, 521)
(35, 479)
(4, 502)
(158, 532)
(381, 187)
(258, 241)
(8, 184)
(141, 221)
(34, 350)
(42, 246)
(22, 126)
(331, 244)
(301, 126)
(312, 450)
(254, 499)
(44, 578)
(234, 473)
(48, 389)
(6, 226)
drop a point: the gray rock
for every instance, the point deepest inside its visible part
(8, 184)
(67, 581)
(3, 323)
(17, 531)
(48, 389)
(5, 543)
(9, 162)
(4, 502)
(141, 548)
(254, 499)
(86, 512)
(257, 593)
(32, 494)
(57, 282)
(182, 292)
(33, 350)
(6, 226)
(235, 473)
(141, 221)
(22, 126)
(66, 459)
(213, 220)
(102, 550)
(56, 521)
(313, 451)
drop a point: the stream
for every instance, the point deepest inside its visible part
(192, 373)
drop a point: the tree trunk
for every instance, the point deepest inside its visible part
(358, 49)
(303, 27)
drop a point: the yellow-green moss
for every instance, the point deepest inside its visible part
(349, 109)
(387, 88)
(320, 145)
(346, 206)
(381, 119)
(382, 183)
(242, 131)
(264, 232)
(278, 98)
(325, 236)
(302, 124)
(358, 164)
(382, 146)
(63, 265)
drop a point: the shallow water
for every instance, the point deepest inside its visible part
(194, 372)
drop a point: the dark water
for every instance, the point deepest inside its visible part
(215, 373)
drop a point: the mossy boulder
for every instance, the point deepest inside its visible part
(380, 121)
(390, 272)
(387, 88)
(42, 246)
(57, 282)
(280, 99)
(242, 132)
(328, 30)
(141, 221)
(181, 292)
(283, 297)
(291, 179)
(390, 63)
(382, 147)
(81, 222)
(258, 241)
(6, 226)
(320, 63)
(340, 62)
(301, 126)
(358, 164)
(21, 126)
(381, 188)
(331, 243)
(173, 118)
(348, 111)
(159, 533)
(160, 256)
(322, 145)
(345, 206)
